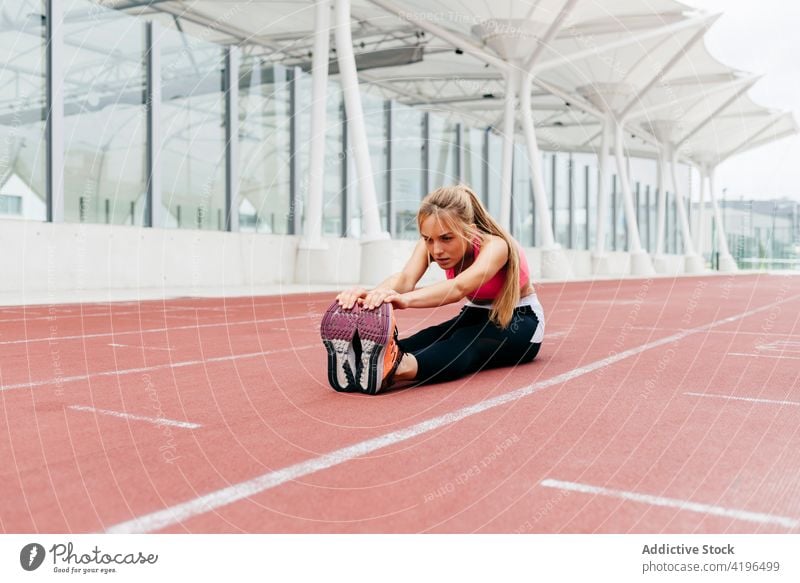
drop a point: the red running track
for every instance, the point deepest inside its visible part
(667, 405)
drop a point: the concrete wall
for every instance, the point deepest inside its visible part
(44, 257)
(55, 257)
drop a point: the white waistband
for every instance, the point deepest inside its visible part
(530, 300)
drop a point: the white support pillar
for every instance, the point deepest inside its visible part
(375, 243)
(312, 234)
(512, 84)
(355, 123)
(693, 263)
(640, 260)
(726, 261)
(554, 261)
(599, 258)
(313, 264)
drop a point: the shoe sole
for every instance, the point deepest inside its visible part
(374, 329)
(337, 330)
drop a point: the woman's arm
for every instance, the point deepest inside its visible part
(491, 259)
(401, 282)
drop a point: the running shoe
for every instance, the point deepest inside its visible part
(338, 331)
(380, 354)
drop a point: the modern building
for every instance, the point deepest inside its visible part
(292, 142)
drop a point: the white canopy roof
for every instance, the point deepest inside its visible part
(644, 60)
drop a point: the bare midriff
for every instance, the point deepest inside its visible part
(526, 290)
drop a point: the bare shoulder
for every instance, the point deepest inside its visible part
(494, 243)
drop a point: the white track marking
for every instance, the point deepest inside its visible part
(202, 504)
(127, 371)
(781, 346)
(744, 515)
(153, 420)
(748, 399)
(114, 344)
(762, 355)
(146, 330)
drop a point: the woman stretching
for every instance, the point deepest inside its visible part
(502, 323)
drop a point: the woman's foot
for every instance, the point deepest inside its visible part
(338, 331)
(380, 354)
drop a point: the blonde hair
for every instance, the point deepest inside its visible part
(462, 207)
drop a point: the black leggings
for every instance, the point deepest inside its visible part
(471, 342)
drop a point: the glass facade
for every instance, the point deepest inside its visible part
(264, 140)
(105, 122)
(23, 110)
(592, 183)
(333, 181)
(562, 188)
(406, 174)
(580, 199)
(494, 173)
(522, 213)
(443, 144)
(106, 149)
(473, 156)
(192, 150)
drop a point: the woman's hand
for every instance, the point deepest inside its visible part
(348, 298)
(377, 296)
(399, 301)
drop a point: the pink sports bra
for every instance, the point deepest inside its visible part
(490, 289)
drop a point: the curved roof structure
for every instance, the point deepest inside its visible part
(646, 64)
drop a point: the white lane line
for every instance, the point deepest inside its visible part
(146, 330)
(114, 344)
(748, 399)
(145, 311)
(762, 355)
(209, 502)
(734, 513)
(153, 420)
(127, 371)
(781, 346)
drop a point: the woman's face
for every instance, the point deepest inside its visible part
(444, 241)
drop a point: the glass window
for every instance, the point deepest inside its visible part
(653, 218)
(105, 123)
(495, 171)
(377, 139)
(580, 196)
(192, 152)
(406, 170)
(473, 160)
(671, 223)
(23, 150)
(264, 147)
(550, 177)
(522, 198)
(678, 230)
(621, 226)
(591, 188)
(444, 149)
(611, 216)
(562, 189)
(10, 205)
(639, 208)
(332, 183)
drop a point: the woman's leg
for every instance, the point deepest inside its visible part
(428, 336)
(478, 346)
